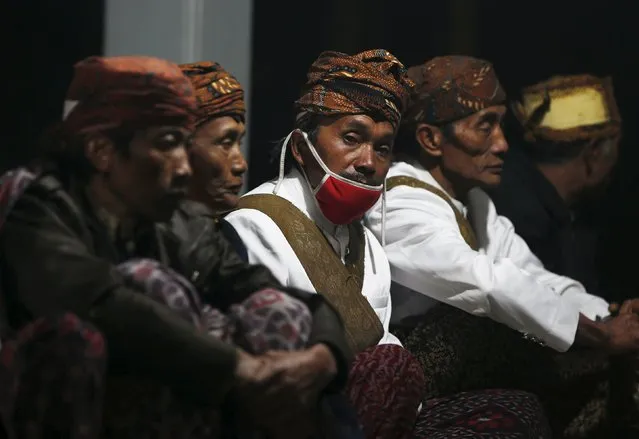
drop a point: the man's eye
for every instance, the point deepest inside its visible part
(384, 150)
(170, 140)
(351, 139)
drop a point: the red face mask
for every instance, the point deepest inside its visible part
(341, 200)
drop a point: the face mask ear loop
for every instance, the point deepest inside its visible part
(280, 178)
(384, 216)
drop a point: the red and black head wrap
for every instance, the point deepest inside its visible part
(448, 88)
(132, 91)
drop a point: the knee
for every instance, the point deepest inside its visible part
(393, 361)
(282, 321)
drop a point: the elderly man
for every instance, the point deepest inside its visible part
(191, 329)
(446, 243)
(215, 153)
(571, 129)
(305, 226)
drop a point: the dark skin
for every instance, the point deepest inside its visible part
(470, 153)
(147, 183)
(356, 147)
(585, 177)
(218, 163)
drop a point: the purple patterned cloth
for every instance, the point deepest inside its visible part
(268, 319)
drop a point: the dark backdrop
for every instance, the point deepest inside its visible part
(527, 42)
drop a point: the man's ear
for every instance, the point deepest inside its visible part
(298, 144)
(430, 138)
(100, 152)
(596, 153)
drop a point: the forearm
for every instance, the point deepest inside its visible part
(591, 334)
(149, 339)
(328, 329)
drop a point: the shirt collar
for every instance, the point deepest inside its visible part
(425, 176)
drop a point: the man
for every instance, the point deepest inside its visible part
(446, 243)
(215, 154)
(571, 129)
(197, 329)
(305, 226)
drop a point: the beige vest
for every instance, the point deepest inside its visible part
(341, 284)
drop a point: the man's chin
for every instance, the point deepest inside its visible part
(490, 181)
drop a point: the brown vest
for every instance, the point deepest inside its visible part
(465, 228)
(341, 284)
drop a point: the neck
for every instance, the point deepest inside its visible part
(454, 187)
(107, 206)
(562, 179)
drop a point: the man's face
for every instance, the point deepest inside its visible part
(355, 147)
(218, 163)
(152, 178)
(601, 163)
(473, 149)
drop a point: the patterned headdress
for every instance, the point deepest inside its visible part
(371, 82)
(449, 88)
(218, 92)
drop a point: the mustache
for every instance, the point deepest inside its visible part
(361, 178)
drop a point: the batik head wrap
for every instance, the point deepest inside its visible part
(372, 82)
(134, 91)
(568, 109)
(218, 92)
(449, 88)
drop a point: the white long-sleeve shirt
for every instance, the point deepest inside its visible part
(431, 261)
(267, 245)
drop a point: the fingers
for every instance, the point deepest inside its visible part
(626, 307)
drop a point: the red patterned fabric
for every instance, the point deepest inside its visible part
(51, 380)
(107, 92)
(386, 386)
(486, 414)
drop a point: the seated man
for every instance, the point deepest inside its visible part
(305, 226)
(215, 154)
(196, 328)
(446, 243)
(571, 129)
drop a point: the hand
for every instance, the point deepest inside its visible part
(280, 389)
(629, 307)
(306, 373)
(623, 333)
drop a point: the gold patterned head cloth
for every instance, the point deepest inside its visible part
(371, 82)
(218, 92)
(568, 109)
(448, 88)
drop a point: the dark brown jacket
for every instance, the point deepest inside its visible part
(57, 257)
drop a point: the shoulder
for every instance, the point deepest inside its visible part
(40, 200)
